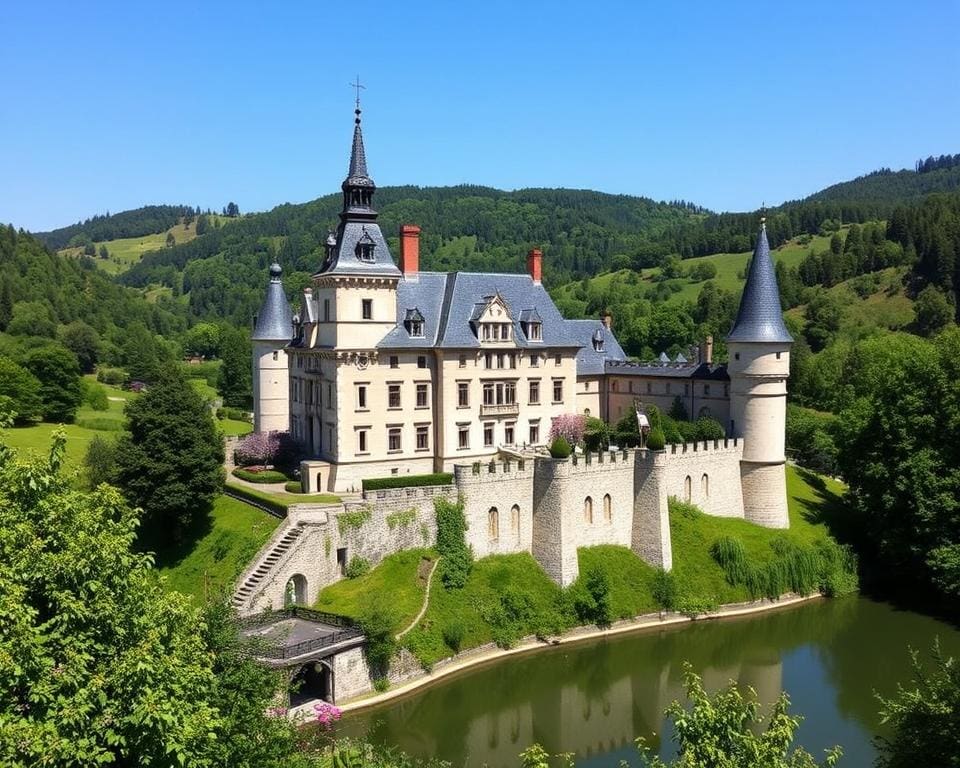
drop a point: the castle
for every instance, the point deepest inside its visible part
(389, 370)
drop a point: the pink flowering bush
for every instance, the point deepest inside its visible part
(327, 714)
(569, 426)
(265, 448)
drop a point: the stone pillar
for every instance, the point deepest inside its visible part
(651, 518)
(554, 542)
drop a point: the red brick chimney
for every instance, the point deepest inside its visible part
(535, 264)
(409, 249)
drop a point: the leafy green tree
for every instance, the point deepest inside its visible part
(32, 318)
(728, 731)
(933, 309)
(236, 372)
(100, 462)
(678, 411)
(84, 342)
(6, 304)
(21, 390)
(824, 315)
(89, 250)
(171, 240)
(202, 339)
(58, 372)
(378, 622)
(141, 353)
(104, 253)
(924, 717)
(170, 462)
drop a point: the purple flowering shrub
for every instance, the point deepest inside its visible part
(569, 426)
(265, 449)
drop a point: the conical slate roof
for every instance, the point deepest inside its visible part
(760, 318)
(358, 176)
(274, 320)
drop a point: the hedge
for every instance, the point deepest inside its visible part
(266, 476)
(407, 481)
(293, 486)
(258, 497)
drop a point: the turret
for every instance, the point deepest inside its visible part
(759, 348)
(273, 328)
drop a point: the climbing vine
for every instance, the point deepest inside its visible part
(401, 518)
(355, 518)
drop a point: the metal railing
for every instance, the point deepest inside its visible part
(296, 612)
(298, 649)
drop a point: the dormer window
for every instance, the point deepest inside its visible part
(598, 341)
(365, 246)
(414, 323)
(531, 325)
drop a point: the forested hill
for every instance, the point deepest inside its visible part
(148, 220)
(886, 186)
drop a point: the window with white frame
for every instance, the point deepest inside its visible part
(393, 395)
(423, 437)
(423, 395)
(393, 439)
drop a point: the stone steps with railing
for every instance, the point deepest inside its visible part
(273, 555)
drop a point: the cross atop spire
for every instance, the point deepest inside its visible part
(358, 86)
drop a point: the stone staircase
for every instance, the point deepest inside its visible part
(265, 564)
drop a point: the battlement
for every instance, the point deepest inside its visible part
(495, 469)
(592, 461)
(728, 445)
(414, 493)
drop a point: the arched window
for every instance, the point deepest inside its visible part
(705, 486)
(588, 510)
(295, 592)
(687, 489)
(607, 509)
(515, 520)
(493, 524)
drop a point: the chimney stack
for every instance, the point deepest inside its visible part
(535, 265)
(607, 319)
(409, 250)
(706, 350)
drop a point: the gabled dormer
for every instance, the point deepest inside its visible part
(414, 322)
(491, 321)
(531, 324)
(364, 249)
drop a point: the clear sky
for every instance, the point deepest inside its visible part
(108, 106)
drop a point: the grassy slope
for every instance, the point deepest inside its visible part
(126, 252)
(220, 553)
(396, 574)
(285, 499)
(699, 579)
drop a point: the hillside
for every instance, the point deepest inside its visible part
(118, 255)
(886, 186)
(137, 222)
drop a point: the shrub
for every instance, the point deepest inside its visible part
(457, 557)
(257, 448)
(256, 475)
(560, 448)
(678, 410)
(293, 486)
(377, 621)
(453, 634)
(407, 481)
(114, 376)
(357, 567)
(237, 414)
(101, 425)
(664, 589)
(94, 395)
(599, 588)
(656, 440)
(708, 428)
(596, 434)
(381, 685)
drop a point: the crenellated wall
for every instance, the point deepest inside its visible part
(713, 470)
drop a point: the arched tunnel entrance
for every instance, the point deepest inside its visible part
(313, 680)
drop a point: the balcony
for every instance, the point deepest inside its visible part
(505, 409)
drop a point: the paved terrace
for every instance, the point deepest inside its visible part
(296, 635)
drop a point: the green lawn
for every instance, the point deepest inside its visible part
(218, 554)
(233, 427)
(125, 252)
(285, 499)
(396, 575)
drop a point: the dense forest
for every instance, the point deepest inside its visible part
(134, 223)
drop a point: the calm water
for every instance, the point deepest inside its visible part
(594, 698)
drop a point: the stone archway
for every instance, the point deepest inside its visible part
(313, 680)
(295, 593)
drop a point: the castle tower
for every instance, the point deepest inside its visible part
(759, 348)
(273, 327)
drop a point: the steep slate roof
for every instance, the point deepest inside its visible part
(274, 320)
(760, 318)
(701, 371)
(589, 361)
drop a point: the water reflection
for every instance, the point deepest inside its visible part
(594, 699)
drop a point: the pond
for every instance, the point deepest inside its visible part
(594, 698)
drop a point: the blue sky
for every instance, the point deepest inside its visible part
(108, 106)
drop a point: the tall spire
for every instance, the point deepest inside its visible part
(760, 318)
(358, 157)
(358, 187)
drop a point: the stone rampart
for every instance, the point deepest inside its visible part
(497, 505)
(706, 473)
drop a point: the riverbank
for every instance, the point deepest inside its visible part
(490, 653)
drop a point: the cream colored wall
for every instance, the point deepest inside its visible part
(271, 411)
(692, 392)
(759, 398)
(589, 401)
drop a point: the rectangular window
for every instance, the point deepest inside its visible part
(686, 389)
(367, 309)
(488, 434)
(393, 395)
(394, 361)
(557, 359)
(513, 360)
(706, 390)
(463, 394)
(361, 397)
(668, 387)
(393, 439)
(421, 361)
(508, 430)
(649, 387)
(423, 437)
(463, 436)
(534, 432)
(463, 361)
(488, 360)
(329, 395)
(362, 441)
(558, 390)
(534, 361)
(489, 394)
(326, 310)
(535, 392)
(422, 396)
(500, 360)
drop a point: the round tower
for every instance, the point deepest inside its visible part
(759, 348)
(272, 332)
